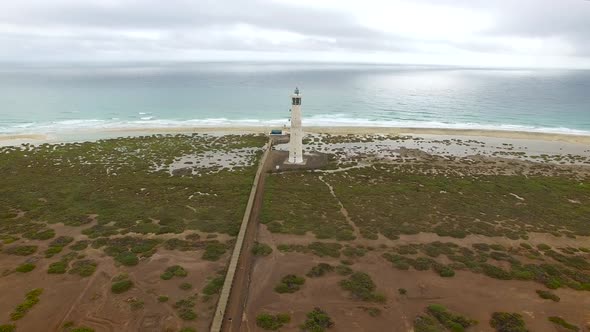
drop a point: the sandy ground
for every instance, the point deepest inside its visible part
(90, 302)
(472, 295)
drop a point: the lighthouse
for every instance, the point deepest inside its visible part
(296, 135)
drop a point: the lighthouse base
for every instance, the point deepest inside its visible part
(298, 161)
(312, 160)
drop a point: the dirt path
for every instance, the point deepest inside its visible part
(355, 229)
(78, 299)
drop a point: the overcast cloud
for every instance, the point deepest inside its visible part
(537, 33)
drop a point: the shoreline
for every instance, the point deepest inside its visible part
(91, 135)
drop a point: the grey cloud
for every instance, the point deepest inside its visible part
(182, 14)
(186, 25)
(566, 19)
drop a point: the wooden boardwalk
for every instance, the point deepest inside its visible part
(232, 299)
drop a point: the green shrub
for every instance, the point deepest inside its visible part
(361, 287)
(185, 308)
(444, 271)
(26, 267)
(214, 250)
(261, 249)
(272, 322)
(172, 271)
(495, 272)
(290, 284)
(187, 314)
(42, 235)
(7, 328)
(543, 247)
(84, 267)
(398, 261)
(402, 291)
(422, 263)
(319, 270)
(52, 251)
(121, 286)
(21, 250)
(214, 286)
(563, 323)
(31, 299)
(427, 324)
(451, 321)
(80, 245)
(343, 270)
(163, 298)
(547, 295)
(59, 267)
(325, 249)
(354, 252)
(317, 321)
(127, 258)
(508, 322)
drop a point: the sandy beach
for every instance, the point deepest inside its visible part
(91, 135)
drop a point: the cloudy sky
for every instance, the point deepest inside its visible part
(516, 33)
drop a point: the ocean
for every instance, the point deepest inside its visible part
(54, 98)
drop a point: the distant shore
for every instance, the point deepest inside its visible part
(90, 135)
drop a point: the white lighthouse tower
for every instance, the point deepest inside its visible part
(296, 134)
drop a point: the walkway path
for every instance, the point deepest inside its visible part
(232, 299)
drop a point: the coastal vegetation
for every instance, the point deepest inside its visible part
(361, 287)
(214, 285)
(554, 269)
(185, 308)
(547, 295)
(272, 322)
(290, 284)
(320, 270)
(317, 321)
(439, 318)
(121, 286)
(508, 322)
(31, 299)
(173, 271)
(118, 186)
(261, 249)
(72, 208)
(496, 216)
(383, 198)
(26, 267)
(563, 323)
